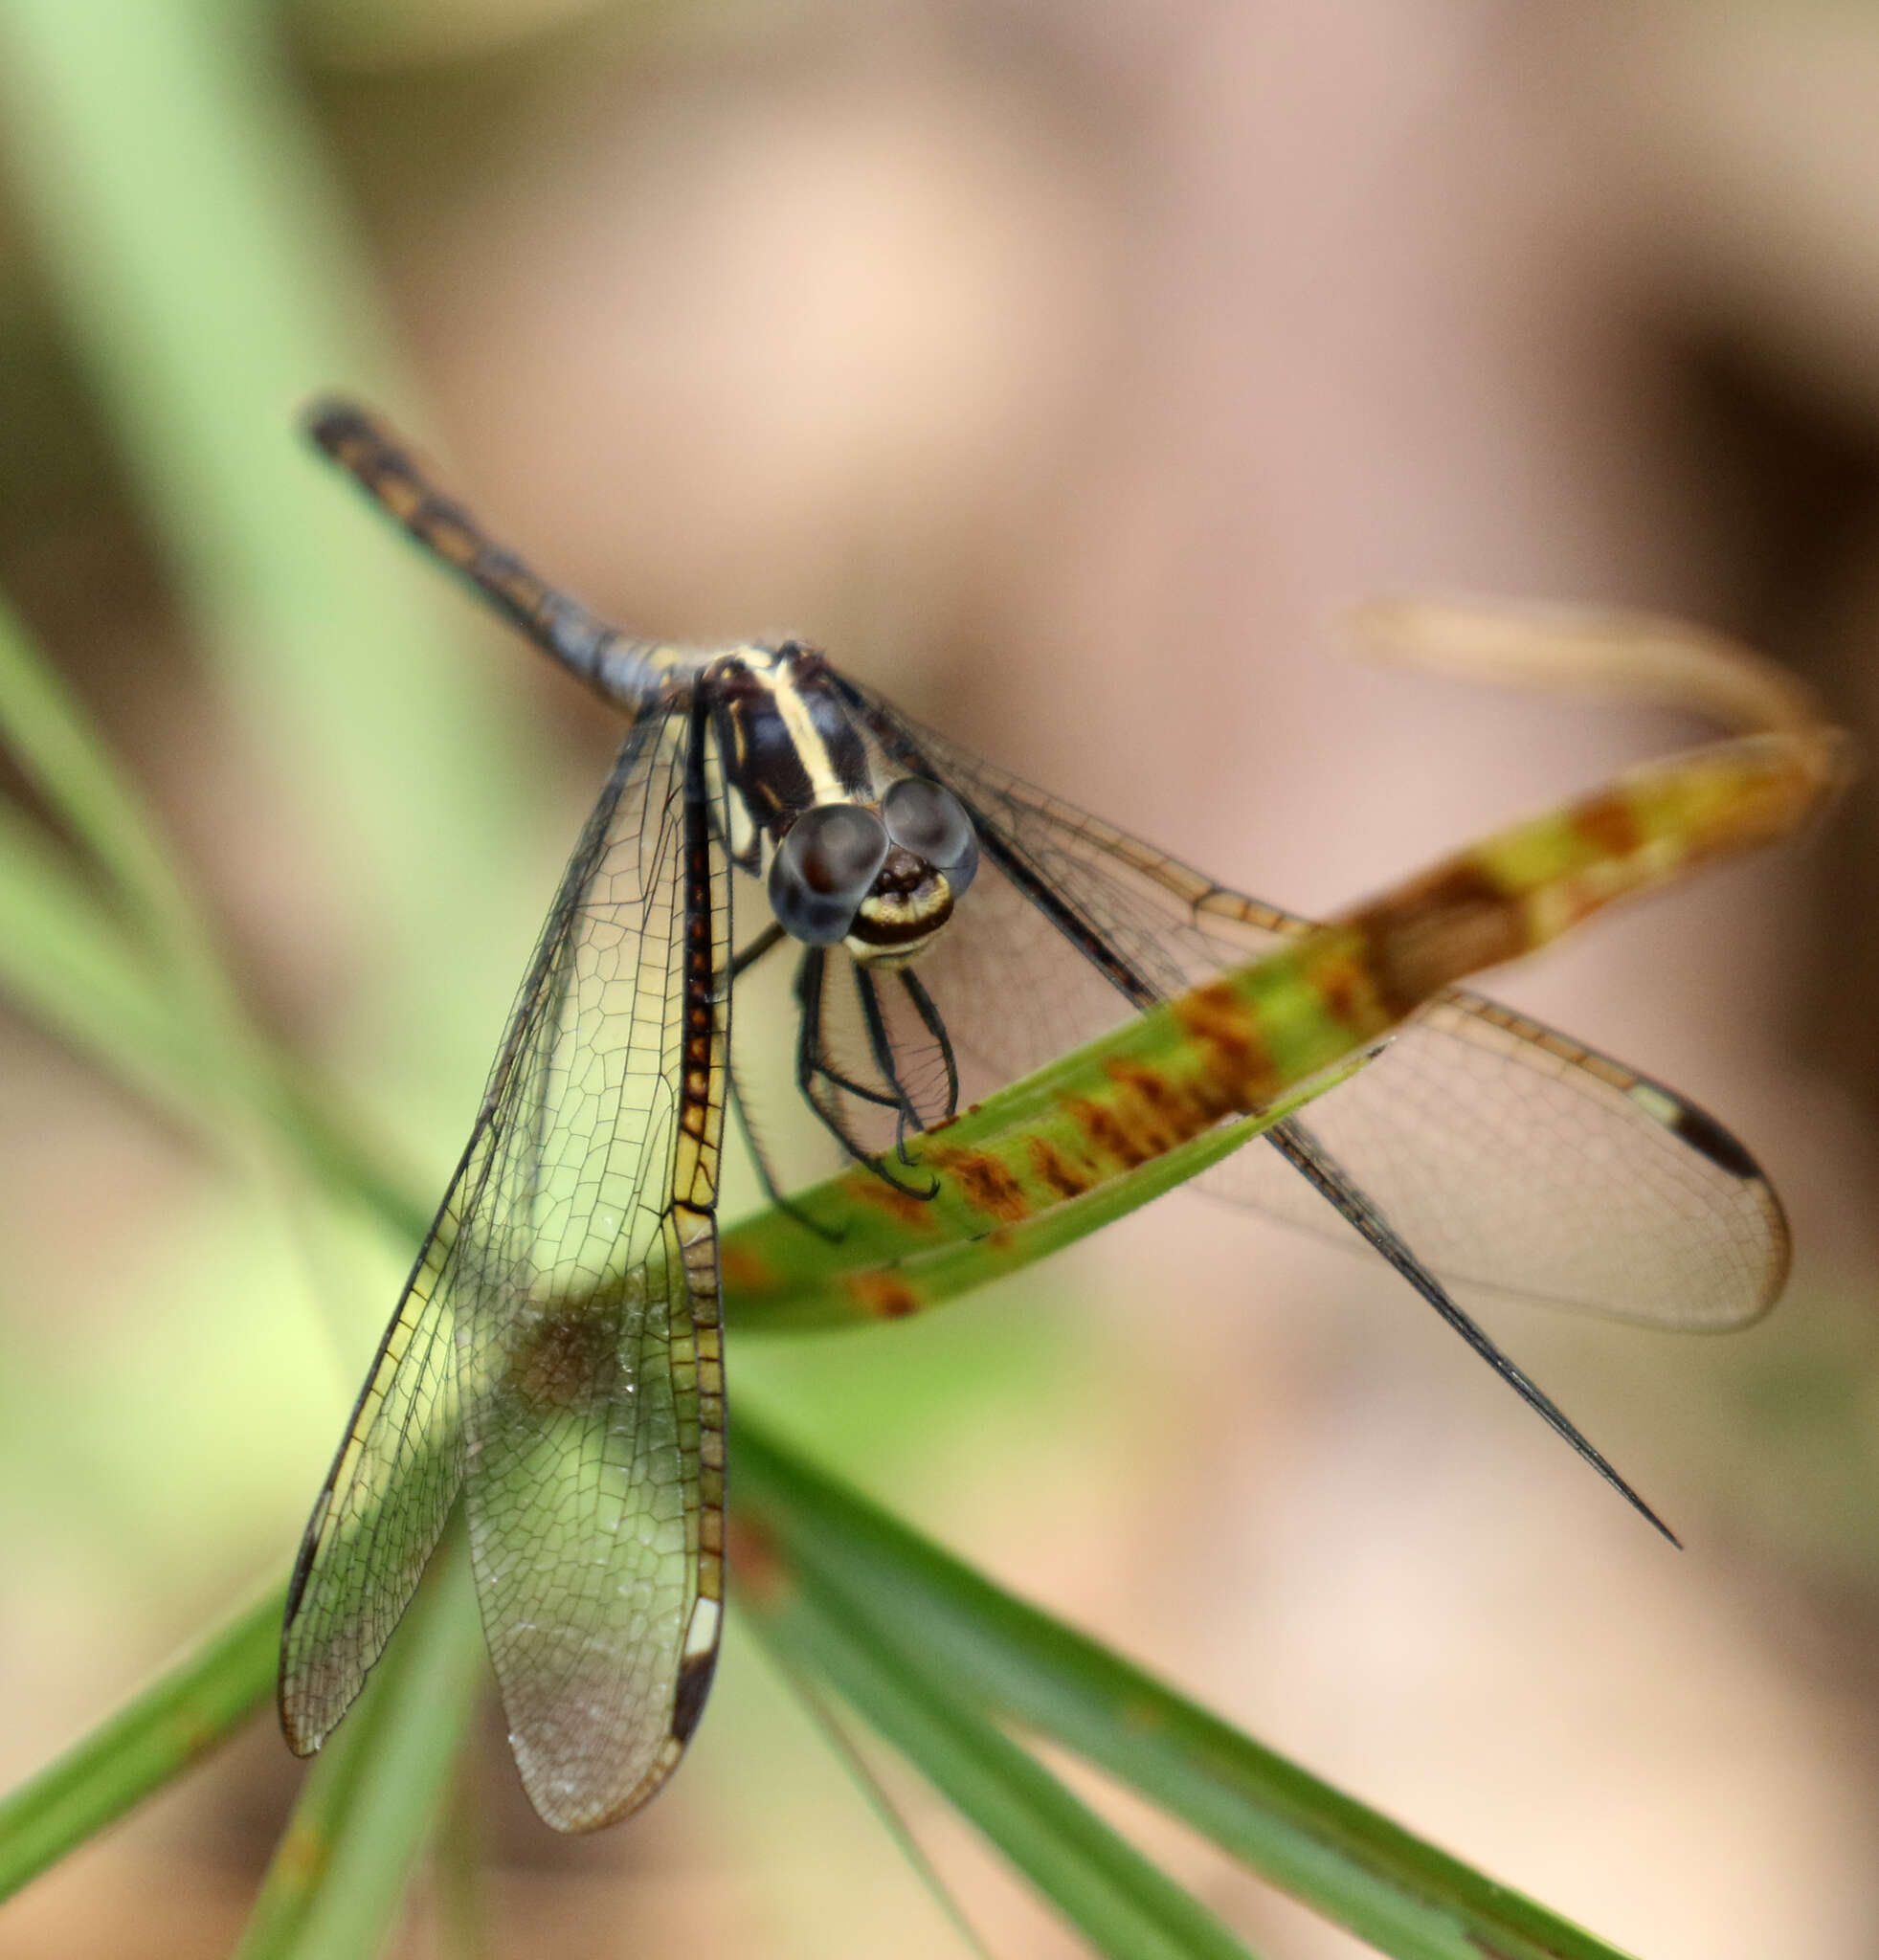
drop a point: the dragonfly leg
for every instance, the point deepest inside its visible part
(881, 1044)
(813, 1067)
(821, 1082)
(930, 1015)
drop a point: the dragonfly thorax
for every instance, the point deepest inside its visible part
(858, 853)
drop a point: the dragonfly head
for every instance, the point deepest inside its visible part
(884, 881)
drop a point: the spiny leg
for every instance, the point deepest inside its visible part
(813, 1067)
(930, 1015)
(881, 1045)
(772, 937)
(813, 1071)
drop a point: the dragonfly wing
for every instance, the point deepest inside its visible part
(1520, 1163)
(386, 1499)
(577, 1297)
(1511, 1159)
(589, 1343)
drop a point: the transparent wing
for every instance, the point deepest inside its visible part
(382, 1510)
(1511, 1159)
(557, 1352)
(588, 1333)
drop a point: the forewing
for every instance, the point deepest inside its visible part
(1511, 1159)
(399, 1470)
(1517, 1162)
(588, 1329)
(557, 1353)
(383, 1507)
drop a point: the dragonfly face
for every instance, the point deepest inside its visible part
(555, 1361)
(852, 859)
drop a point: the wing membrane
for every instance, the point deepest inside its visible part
(556, 1353)
(589, 1340)
(383, 1508)
(1513, 1160)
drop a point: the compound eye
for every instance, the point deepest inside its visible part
(822, 871)
(933, 824)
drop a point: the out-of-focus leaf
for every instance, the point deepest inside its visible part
(341, 1867)
(1124, 1905)
(813, 1547)
(67, 962)
(213, 287)
(163, 1730)
(55, 742)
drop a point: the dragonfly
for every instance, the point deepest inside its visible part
(555, 1361)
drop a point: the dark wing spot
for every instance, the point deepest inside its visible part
(564, 1362)
(688, 1698)
(1702, 1132)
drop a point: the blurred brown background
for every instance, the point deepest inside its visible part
(1061, 368)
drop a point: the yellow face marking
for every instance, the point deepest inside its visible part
(889, 924)
(899, 910)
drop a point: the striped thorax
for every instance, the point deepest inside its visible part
(852, 851)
